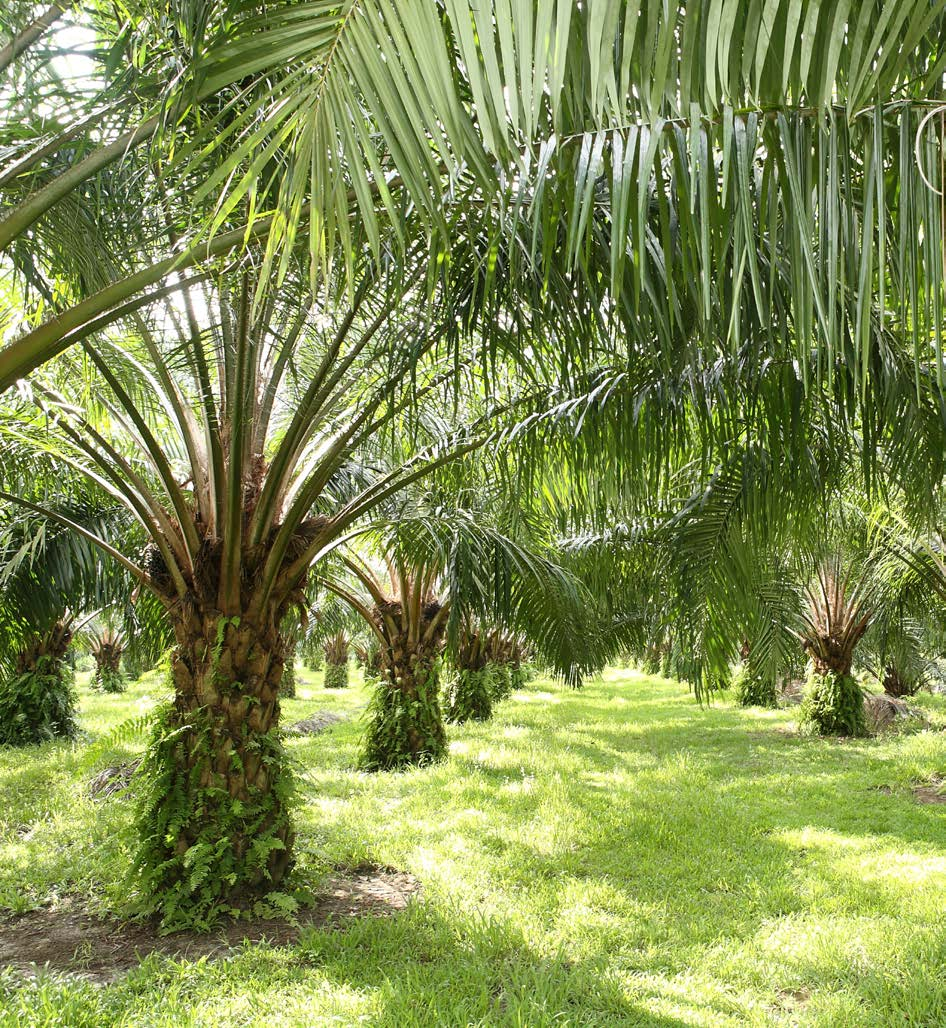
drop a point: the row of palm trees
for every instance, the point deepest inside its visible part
(275, 278)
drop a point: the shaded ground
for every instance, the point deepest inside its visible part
(68, 938)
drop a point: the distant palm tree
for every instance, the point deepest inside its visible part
(107, 642)
(417, 580)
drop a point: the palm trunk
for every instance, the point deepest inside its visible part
(336, 662)
(471, 688)
(470, 696)
(287, 684)
(407, 725)
(38, 702)
(752, 688)
(215, 824)
(833, 702)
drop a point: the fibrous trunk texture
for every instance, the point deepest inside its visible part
(336, 661)
(287, 684)
(38, 701)
(470, 695)
(833, 704)
(336, 675)
(406, 723)
(214, 821)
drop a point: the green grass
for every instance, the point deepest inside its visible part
(614, 856)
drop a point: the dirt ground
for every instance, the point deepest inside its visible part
(934, 792)
(68, 938)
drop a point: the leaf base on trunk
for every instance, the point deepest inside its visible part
(216, 784)
(470, 695)
(336, 676)
(753, 689)
(212, 841)
(405, 722)
(833, 705)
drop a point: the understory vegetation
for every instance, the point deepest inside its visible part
(424, 361)
(608, 856)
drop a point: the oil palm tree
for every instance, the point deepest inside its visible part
(48, 577)
(471, 690)
(106, 642)
(838, 611)
(245, 441)
(418, 580)
(332, 630)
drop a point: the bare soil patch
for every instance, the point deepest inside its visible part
(933, 792)
(793, 997)
(67, 938)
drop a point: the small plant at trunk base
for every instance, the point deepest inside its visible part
(38, 700)
(833, 705)
(213, 818)
(469, 696)
(753, 689)
(336, 676)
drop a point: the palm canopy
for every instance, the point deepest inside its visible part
(712, 550)
(714, 171)
(752, 164)
(217, 424)
(48, 572)
(460, 558)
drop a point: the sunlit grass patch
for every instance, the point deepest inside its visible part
(618, 856)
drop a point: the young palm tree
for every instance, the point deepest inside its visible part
(231, 434)
(839, 611)
(332, 633)
(47, 575)
(106, 642)
(37, 697)
(335, 649)
(426, 573)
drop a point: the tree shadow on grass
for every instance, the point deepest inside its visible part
(833, 784)
(427, 968)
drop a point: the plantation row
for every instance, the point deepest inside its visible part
(475, 336)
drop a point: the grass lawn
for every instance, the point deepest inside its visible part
(614, 856)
